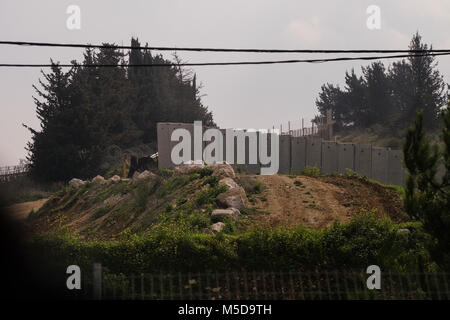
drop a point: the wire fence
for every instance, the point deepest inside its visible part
(322, 128)
(328, 285)
(10, 172)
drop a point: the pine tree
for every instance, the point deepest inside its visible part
(332, 97)
(426, 198)
(429, 87)
(358, 112)
(89, 109)
(388, 98)
(377, 94)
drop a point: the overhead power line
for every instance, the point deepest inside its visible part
(199, 49)
(200, 64)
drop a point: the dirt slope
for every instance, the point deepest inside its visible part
(104, 211)
(317, 202)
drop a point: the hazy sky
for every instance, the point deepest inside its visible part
(238, 96)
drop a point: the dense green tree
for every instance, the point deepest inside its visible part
(429, 87)
(90, 108)
(427, 195)
(332, 97)
(388, 97)
(358, 114)
(377, 94)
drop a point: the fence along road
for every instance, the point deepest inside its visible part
(8, 173)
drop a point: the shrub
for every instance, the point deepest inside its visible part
(204, 172)
(311, 171)
(426, 197)
(176, 247)
(209, 194)
(212, 181)
(251, 185)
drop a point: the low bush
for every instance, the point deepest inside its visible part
(311, 171)
(364, 241)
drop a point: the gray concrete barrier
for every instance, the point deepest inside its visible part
(363, 159)
(346, 157)
(381, 164)
(285, 154)
(395, 172)
(313, 151)
(298, 154)
(329, 157)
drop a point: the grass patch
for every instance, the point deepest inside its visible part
(208, 196)
(311, 171)
(250, 185)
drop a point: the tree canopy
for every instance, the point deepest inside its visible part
(388, 96)
(87, 109)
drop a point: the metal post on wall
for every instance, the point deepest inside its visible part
(303, 127)
(97, 281)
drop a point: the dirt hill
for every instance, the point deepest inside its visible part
(104, 209)
(317, 201)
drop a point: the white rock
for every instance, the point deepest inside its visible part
(234, 198)
(114, 178)
(142, 175)
(222, 170)
(222, 214)
(76, 183)
(188, 167)
(98, 180)
(230, 183)
(217, 227)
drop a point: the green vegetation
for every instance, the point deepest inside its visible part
(376, 106)
(208, 196)
(311, 171)
(171, 198)
(87, 112)
(427, 196)
(364, 241)
(250, 185)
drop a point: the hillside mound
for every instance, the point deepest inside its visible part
(318, 201)
(106, 209)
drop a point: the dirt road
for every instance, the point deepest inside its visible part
(20, 211)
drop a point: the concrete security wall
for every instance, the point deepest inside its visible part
(314, 151)
(396, 171)
(252, 168)
(285, 154)
(165, 145)
(380, 164)
(363, 159)
(298, 154)
(346, 157)
(329, 157)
